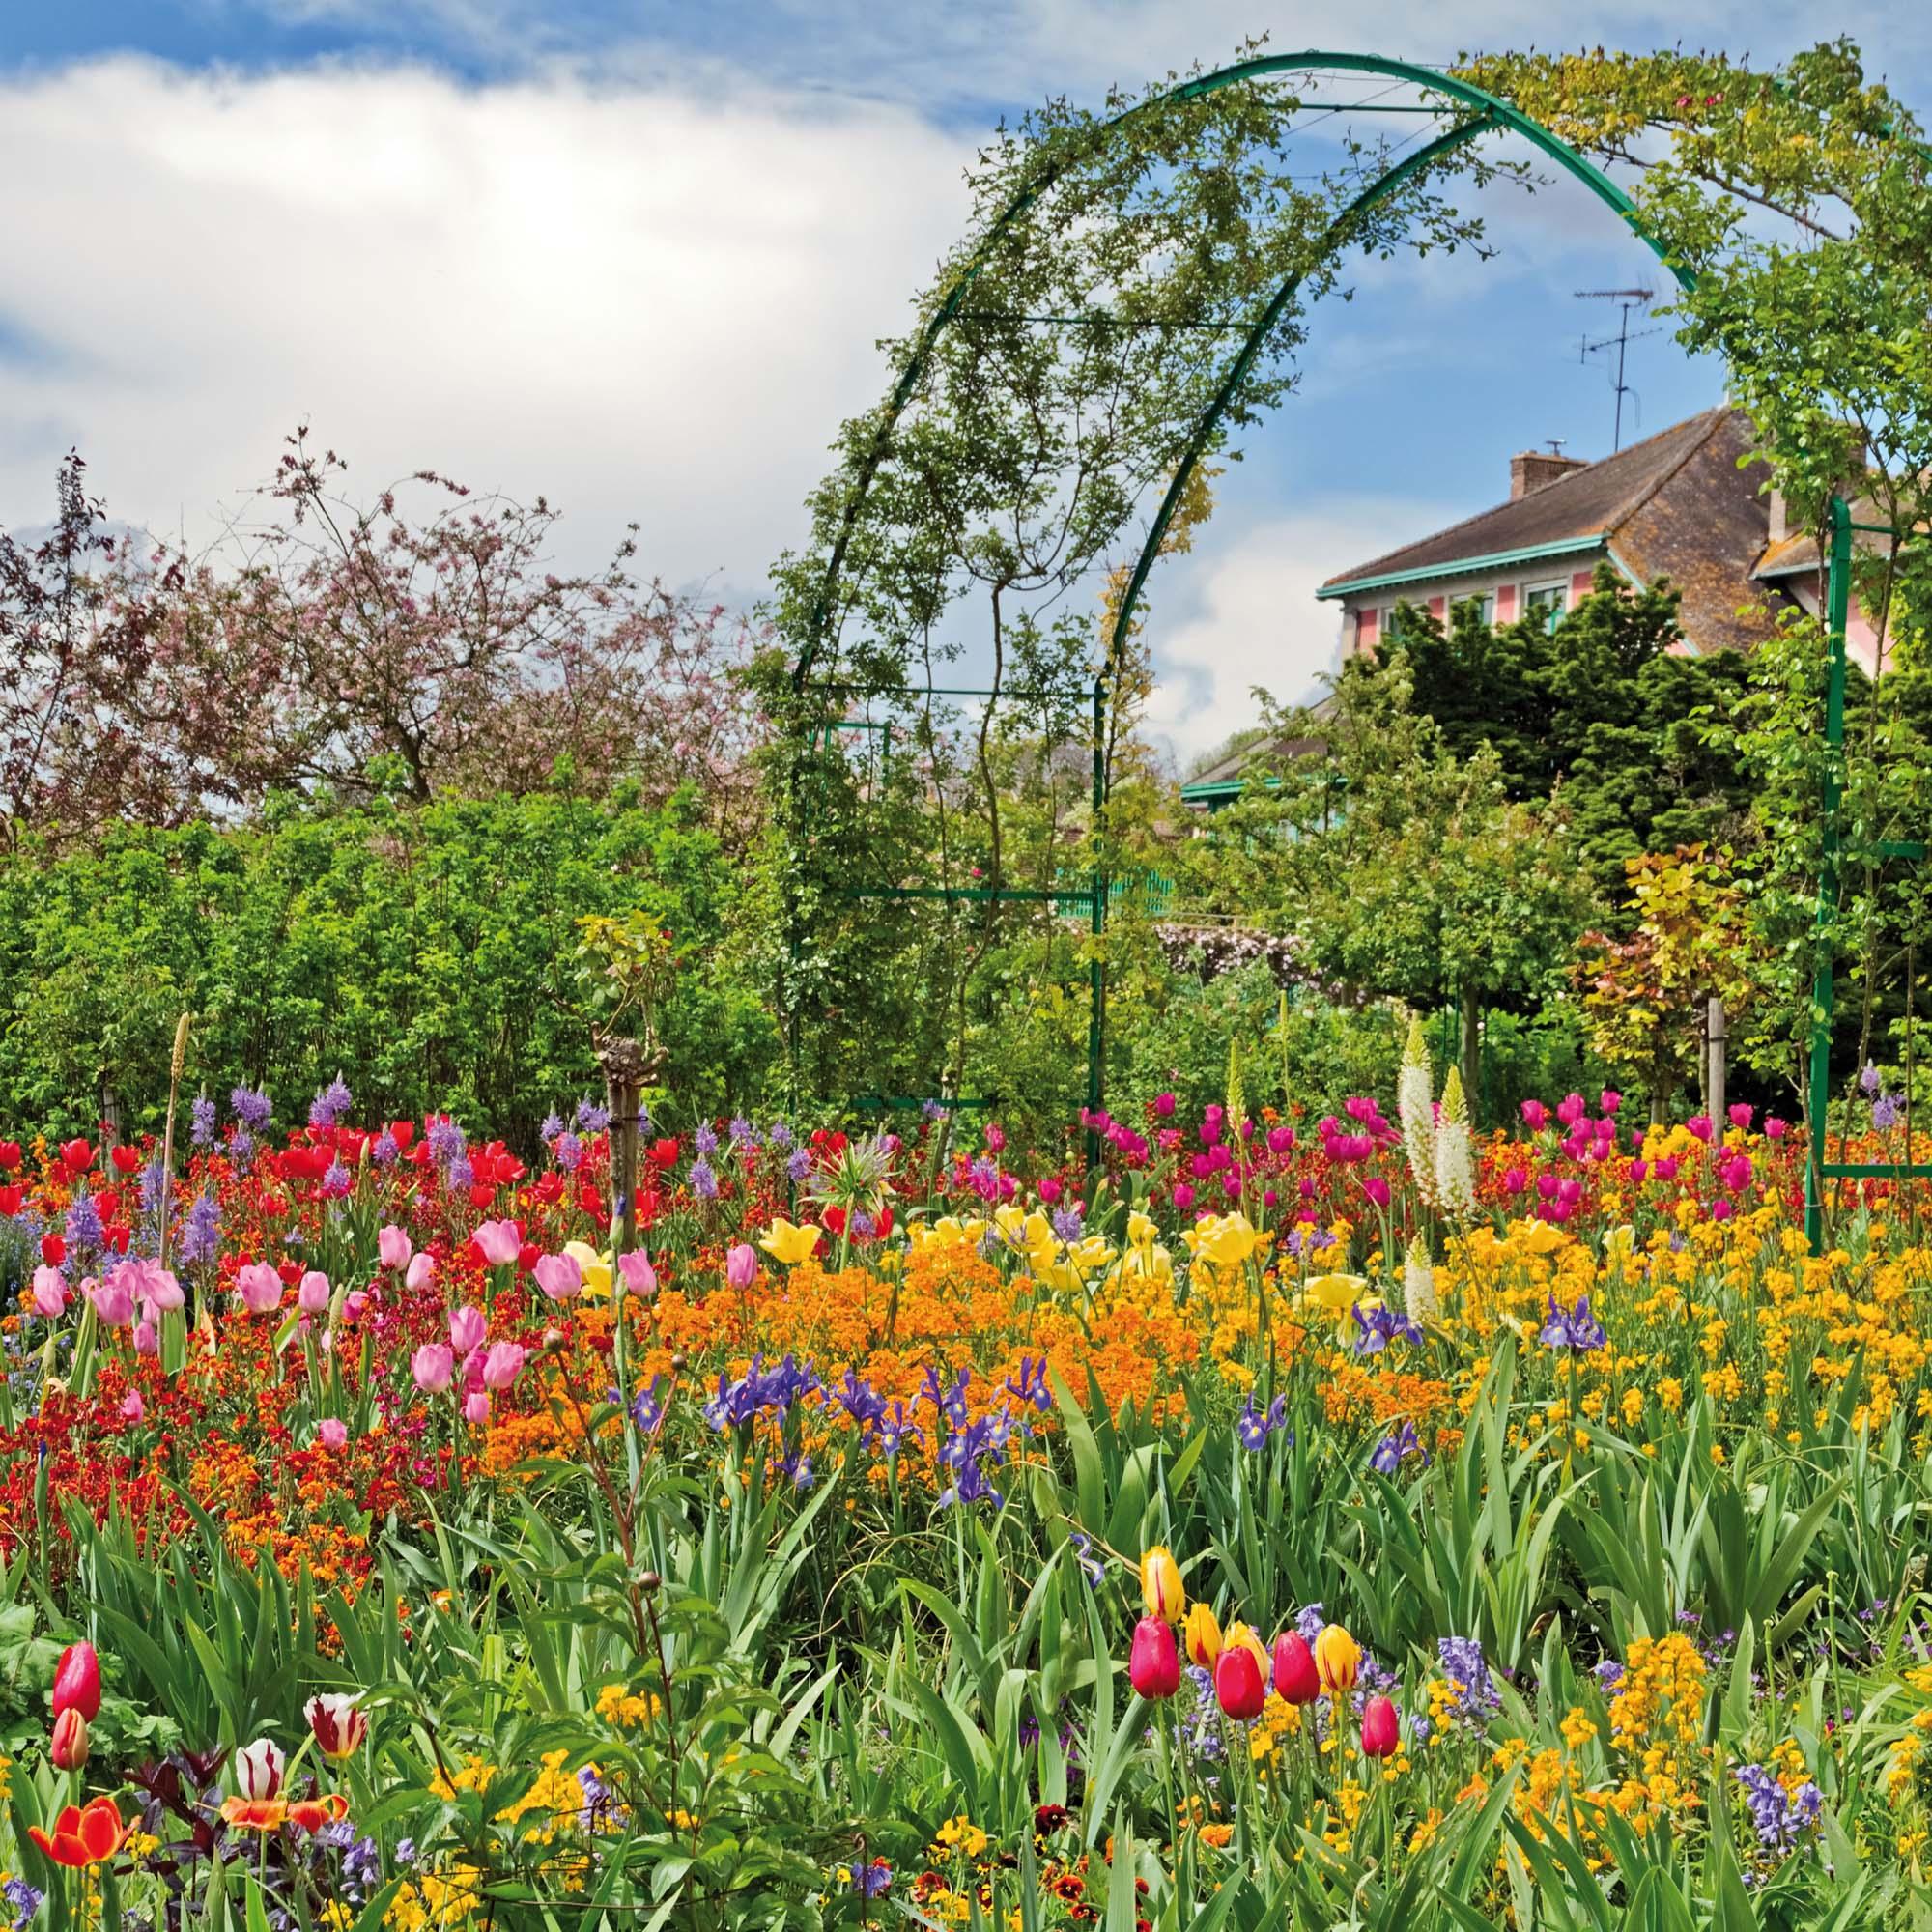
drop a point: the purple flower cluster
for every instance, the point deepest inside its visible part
(201, 1121)
(1781, 1814)
(1379, 1327)
(762, 1391)
(201, 1230)
(1255, 1424)
(328, 1106)
(1573, 1327)
(250, 1108)
(1396, 1448)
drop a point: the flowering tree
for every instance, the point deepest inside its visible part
(417, 644)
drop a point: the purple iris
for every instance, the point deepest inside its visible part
(1573, 1327)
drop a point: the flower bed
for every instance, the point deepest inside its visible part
(1314, 1509)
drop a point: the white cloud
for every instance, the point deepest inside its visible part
(1242, 614)
(637, 301)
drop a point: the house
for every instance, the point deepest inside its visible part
(1675, 506)
(1681, 504)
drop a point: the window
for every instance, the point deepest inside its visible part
(1546, 602)
(1484, 607)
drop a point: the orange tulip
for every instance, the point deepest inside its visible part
(88, 1834)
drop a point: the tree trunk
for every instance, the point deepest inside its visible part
(1714, 1068)
(1473, 1054)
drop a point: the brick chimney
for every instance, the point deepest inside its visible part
(1534, 470)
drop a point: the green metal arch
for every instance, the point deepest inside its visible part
(1491, 112)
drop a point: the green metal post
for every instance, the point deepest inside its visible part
(1837, 613)
(1096, 970)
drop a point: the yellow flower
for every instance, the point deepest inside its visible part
(1162, 1592)
(1239, 1637)
(1203, 1636)
(788, 1244)
(595, 1269)
(1338, 1294)
(1338, 1657)
(1225, 1242)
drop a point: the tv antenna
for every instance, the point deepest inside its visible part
(1625, 300)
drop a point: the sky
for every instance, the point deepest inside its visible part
(634, 256)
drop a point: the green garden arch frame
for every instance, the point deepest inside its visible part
(1487, 114)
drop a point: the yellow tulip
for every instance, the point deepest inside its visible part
(1202, 1635)
(788, 1244)
(1162, 1592)
(1225, 1242)
(595, 1269)
(1338, 1658)
(1239, 1637)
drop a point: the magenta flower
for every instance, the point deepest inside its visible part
(499, 1242)
(468, 1329)
(393, 1247)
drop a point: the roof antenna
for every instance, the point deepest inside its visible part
(1625, 300)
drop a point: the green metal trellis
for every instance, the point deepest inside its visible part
(1818, 1087)
(1490, 113)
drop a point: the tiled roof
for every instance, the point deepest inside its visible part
(1593, 502)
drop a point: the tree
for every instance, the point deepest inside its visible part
(405, 646)
(1400, 869)
(1598, 706)
(1641, 993)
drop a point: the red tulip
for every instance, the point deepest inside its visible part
(126, 1158)
(83, 1835)
(77, 1681)
(12, 1200)
(402, 1132)
(53, 1250)
(77, 1156)
(1238, 1682)
(1294, 1675)
(1154, 1664)
(69, 1750)
(10, 1153)
(1381, 1728)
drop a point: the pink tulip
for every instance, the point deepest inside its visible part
(639, 1276)
(468, 1329)
(422, 1272)
(1774, 1128)
(333, 1432)
(312, 1293)
(49, 1292)
(146, 1341)
(503, 1364)
(150, 1285)
(432, 1365)
(260, 1288)
(113, 1305)
(477, 1408)
(393, 1247)
(132, 1408)
(560, 1277)
(1535, 1116)
(740, 1266)
(501, 1241)
(1377, 1189)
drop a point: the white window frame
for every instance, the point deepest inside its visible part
(1559, 587)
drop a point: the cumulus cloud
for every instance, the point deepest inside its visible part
(1244, 615)
(644, 303)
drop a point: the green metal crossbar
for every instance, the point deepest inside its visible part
(1818, 1094)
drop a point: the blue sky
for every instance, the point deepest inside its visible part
(634, 255)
